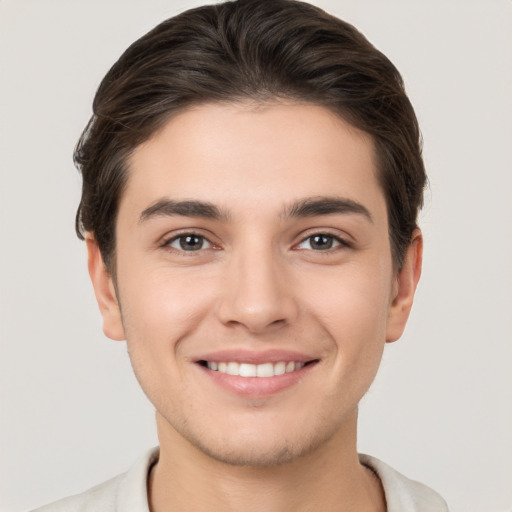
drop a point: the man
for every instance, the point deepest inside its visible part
(252, 175)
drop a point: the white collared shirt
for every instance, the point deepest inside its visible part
(128, 492)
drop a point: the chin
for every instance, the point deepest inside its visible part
(257, 446)
(250, 454)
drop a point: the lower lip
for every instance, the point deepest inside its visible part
(257, 386)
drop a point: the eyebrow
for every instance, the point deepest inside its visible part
(308, 207)
(313, 206)
(187, 208)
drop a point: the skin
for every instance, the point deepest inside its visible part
(258, 283)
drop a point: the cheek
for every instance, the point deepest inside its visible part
(352, 307)
(356, 297)
(161, 306)
(159, 310)
(356, 320)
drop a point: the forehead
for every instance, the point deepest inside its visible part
(253, 156)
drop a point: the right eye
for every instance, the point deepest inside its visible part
(189, 242)
(322, 242)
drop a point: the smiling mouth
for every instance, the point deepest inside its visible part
(264, 370)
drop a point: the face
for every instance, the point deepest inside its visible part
(255, 286)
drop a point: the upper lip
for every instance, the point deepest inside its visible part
(255, 357)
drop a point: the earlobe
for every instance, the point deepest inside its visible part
(105, 292)
(405, 287)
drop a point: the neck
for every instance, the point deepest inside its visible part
(329, 479)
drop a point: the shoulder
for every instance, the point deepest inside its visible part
(126, 492)
(101, 498)
(403, 494)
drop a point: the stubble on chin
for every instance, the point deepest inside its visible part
(254, 451)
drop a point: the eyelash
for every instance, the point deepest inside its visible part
(335, 241)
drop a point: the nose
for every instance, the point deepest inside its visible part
(258, 294)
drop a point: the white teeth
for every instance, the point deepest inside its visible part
(247, 370)
(279, 369)
(233, 369)
(255, 370)
(265, 370)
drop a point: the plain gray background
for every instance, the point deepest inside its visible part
(440, 411)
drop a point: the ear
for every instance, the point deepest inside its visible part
(404, 288)
(105, 292)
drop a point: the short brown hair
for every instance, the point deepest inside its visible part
(258, 50)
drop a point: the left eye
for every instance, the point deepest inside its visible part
(189, 242)
(320, 242)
